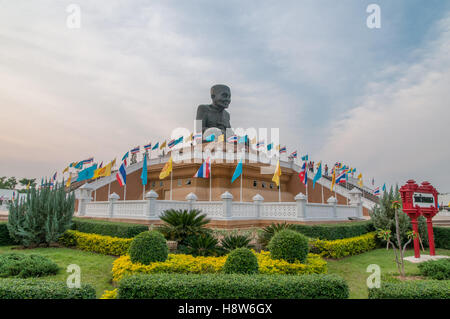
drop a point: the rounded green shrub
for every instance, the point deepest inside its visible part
(289, 245)
(148, 247)
(241, 261)
(25, 266)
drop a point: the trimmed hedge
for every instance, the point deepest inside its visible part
(148, 247)
(24, 266)
(5, 239)
(335, 231)
(289, 245)
(418, 289)
(241, 261)
(436, 269)
(107, 228)
(441, 237)
(39, 289)
(106, 245)
(344, 247)
(232, 286)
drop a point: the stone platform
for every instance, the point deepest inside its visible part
(424, 258)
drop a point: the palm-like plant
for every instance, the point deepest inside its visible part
(181, 224)
(231, 242)
(202, 245)
(267, 232)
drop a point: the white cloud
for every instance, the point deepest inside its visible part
(401, 130)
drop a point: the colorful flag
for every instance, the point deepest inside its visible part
(210, 138)
(204, 170)
(135, 150)
(260, 144)
(384, 187)
(163, 145)
(172, 143)
(232, 139)
(283, 150)
(103, 171)
(144, 171)
(66, 169)
(167, 169)
(28, 185)
(197, 136)
(54, 177)
(148, 146)
(333, 179)
(342, 177)
(237, 171)
(360, 180)
(101, 165)
(79, 165)
(318, 174)
(305, 157)
(303, 175)
(277, 174)
(113, 163)
(270, 146)
(125, 157)
(121, 175)
(87, 173)
(294, 154)
(88, 161)
(242, 139)
(376, 192)
(221, 138)
(69, 180)
(156, 146)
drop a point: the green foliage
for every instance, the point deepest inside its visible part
(24, 266)
(340, 248)
(241, 261)
(232, 286)
(8, 182)
(25, 181)
(181, 224)
(202, 245)
(414, 289)
(383, 217)
(436, 269)
(442, 237)
(15, 288)
(335, 231)
(42, 217)
(232, 241)
(267, 232)
(148, 247)
(107, 228)
(5, 239)
(289, 245)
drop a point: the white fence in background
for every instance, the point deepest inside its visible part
(151, 208)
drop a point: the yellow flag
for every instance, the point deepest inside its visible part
(333, 179)
(360, 176)
(66, 169)
(28, 185)
(162, 145)
(166, 169)
(104, 171)
(277, 174)
(68, 181)
(360, 181)
(221, 138)
(448, 204)
(113, 163)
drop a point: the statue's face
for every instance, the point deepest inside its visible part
(221, 95)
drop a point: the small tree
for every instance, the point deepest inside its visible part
(42, 217)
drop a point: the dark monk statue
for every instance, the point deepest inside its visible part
(215, 115)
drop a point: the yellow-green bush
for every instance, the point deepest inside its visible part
(109, 294)
(96, 243)
(344, 247)
(187, 264)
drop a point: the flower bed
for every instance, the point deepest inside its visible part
(187, 264)
(344, 247)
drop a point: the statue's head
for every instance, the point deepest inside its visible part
(221, 95)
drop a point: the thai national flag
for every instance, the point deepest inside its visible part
(148, 146)
(135, 150)
(197, 136)
(122, 175)
(342, 177)
(204, 170)
(376, 192)
(303, 174)
(260, 144)
(172, 143)
(293, 154)
(232, 139)
(54, 177)
(283, 150)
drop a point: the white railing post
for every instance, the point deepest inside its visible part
(355, 199)
(191, 198)
(257, 200)
(151, 197)
(333, 202)
(301, 205)
(113, 198)
(84, 197)
(227, 199)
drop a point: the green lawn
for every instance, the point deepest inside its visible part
(353, 268)
(95, 268)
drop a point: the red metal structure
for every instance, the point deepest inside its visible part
(420, 200)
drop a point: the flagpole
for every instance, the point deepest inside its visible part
(109, 187)
(210, 179)
(240, 196)
(279, 192)
(125, 192)
(171, 178)
(323, 201)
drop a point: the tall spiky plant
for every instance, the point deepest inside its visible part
(42, 217)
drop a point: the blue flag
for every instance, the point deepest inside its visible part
(156, 146)
(305, 158)
(87, 173)
(237, 171)
(270, 146)
(384, 187)
(144, 171)
(318, 174)
(210, 138)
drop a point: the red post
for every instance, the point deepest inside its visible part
(415, 226)
(430, 236)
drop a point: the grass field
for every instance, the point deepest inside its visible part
(353, 268)
(95, 268)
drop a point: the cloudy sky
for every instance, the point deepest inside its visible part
(376, 99)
